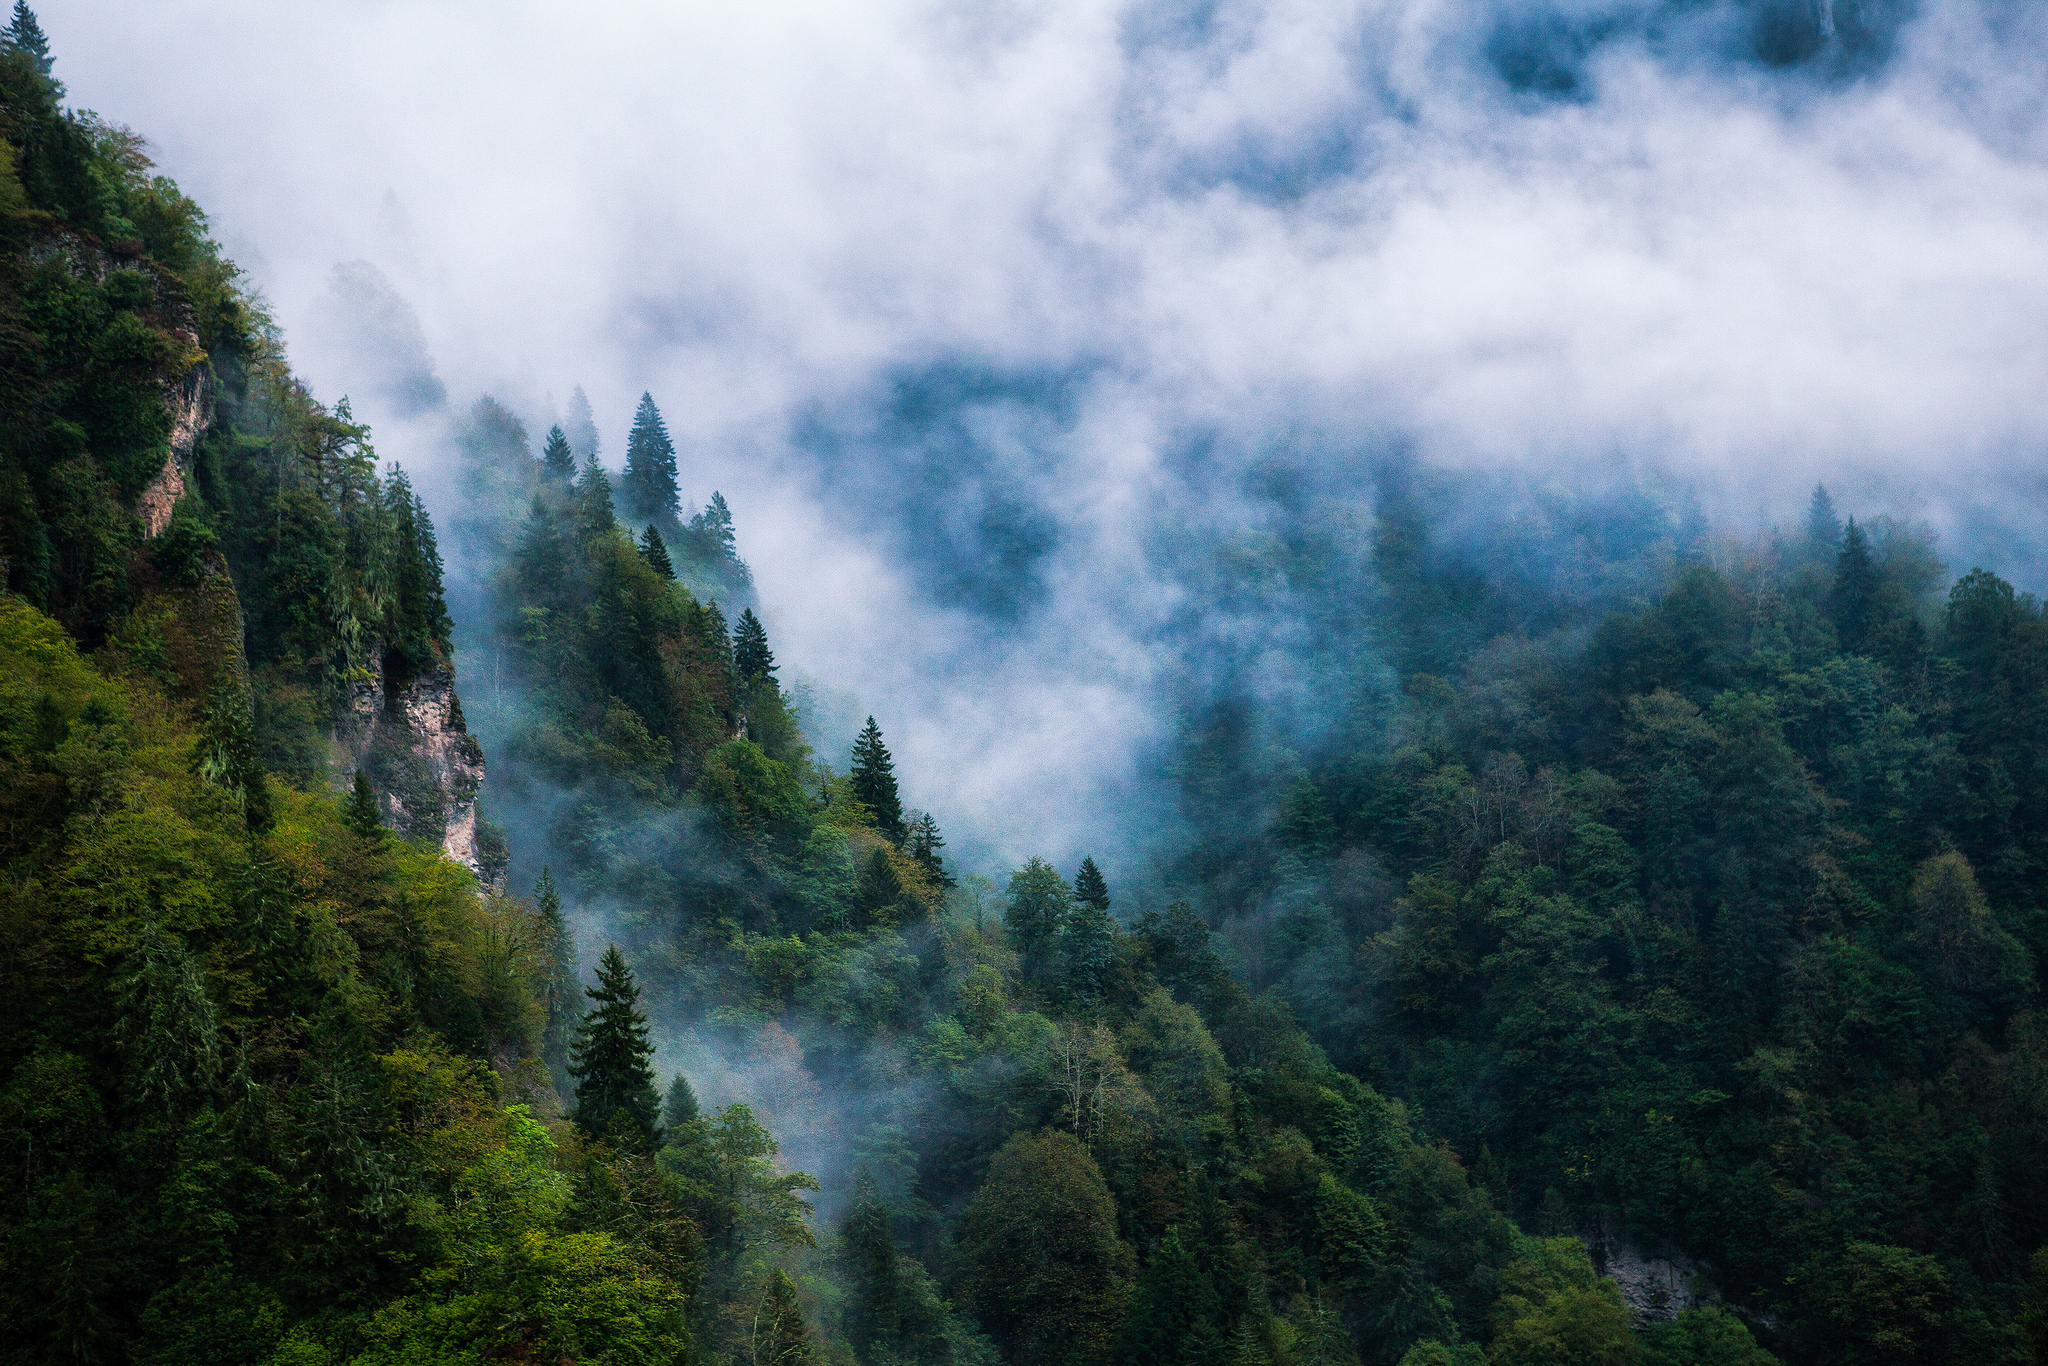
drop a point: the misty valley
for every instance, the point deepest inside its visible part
(1569, 927)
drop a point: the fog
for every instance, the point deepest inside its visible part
(974, 312)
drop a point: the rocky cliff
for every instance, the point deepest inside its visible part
(408, 734)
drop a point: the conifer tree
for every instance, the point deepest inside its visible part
(751, 657)
(714, 527)
(359, 813)
(719, 639)
(559, 993)
(681, 1106)
(868, 1255)
(558, 461)
(615, 1096)
(874, 782)
(594, 515)
(1039, 903)
(25, 33)
(1823, 526)
(648, 488)
(925, 844)
(1089, 887)
(1852, 600)
(781, 1337)
(581, 426)
(1087, 948)
(167, 1027)
(656, 554)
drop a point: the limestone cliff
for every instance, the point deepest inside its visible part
(408, 734)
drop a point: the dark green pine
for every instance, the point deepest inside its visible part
(648, 488)
(359, 813)
(924, 847)
(26, 34)
(557, 460)
(615, 1095)
(874, 782)
(1089, 887)
(594, 515)
(1852, 600)
(681, 1106)
(560, 966)
(656, 554)
(751, 657)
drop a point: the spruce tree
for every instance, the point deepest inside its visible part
(1087, 950)
(1852, 600)
(594, 515)
(557, 460)
(713, 531)
(681, 1106)
(648, 488)
(751, 657)
(1089, 888)
(656, 554)
(868, 1258)
(874, 782)
(1039, 905)
(559, 994)
(924, 847)
(359, 813)
(26, 34)
(615, 1096)
(781, 1337)
(581, 426)
(1823, 527)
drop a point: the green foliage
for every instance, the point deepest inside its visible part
(874, 782)
(615, 1097)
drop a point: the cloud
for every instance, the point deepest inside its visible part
(1120, 254)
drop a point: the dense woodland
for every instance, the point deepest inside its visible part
(1619, 887)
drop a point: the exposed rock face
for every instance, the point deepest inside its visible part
(191, 405)
(1656, 1287)
(411, 739)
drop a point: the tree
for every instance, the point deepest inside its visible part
(751, 657)
(582, 426)
(1039, 903)
(1087, 951)
(559, 982)
(648, 488)
(868, 1256)
(924, 846)
(656, 554)
(781, 1337)
(615, 1096)
(1089, 887)
(1823, 526)
(713, 526)
(359, 812)
(1702, 1337)
(594, 515)
(874, 782)
(1044, 1267)
(558, 461)
(168, 1029)
(26, 34)
(1173, 1314)
(1852, 599)
(1872, 1303)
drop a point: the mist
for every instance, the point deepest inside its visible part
(994, 323)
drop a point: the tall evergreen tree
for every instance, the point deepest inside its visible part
(868, 1256)
(681, 1106)
(1087, 950)
(1852, 600)
(925, 844)
(714, 527)
(558, 461)
(559, 988)
(419, 625)
(615, 1096)
(359, 813)
(656, 554)
(1089, 887)
(1039, 903)
(1823, 526)
(581, 426)
(751, 657)
(781, 1337)
(648, 488)
(1173, 1315)
(25, 33)
(594, 514)
(874, 782)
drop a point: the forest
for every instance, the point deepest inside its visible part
(1634, 956)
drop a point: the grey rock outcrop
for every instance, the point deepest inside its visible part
(410, 737)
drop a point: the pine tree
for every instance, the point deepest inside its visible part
(1306, 824)
(874, 782)
(1087, 951)
(716, 634)
(1173, 1315)
(925, 843)
(1089, 888)
(581, 428)
(359, 813)
(1823, 527)
(714, 527)
(559, 994)
(751, 657)
(656, 554)
(681, 1106)
(168, 1029)
(868, 1256)
(26, 34)
(648, 488)
(558, 461)
(1852, 601)
(594, 515)
(780, 1336)
(615, 1096)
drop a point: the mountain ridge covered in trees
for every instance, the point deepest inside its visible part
(1681, 913)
